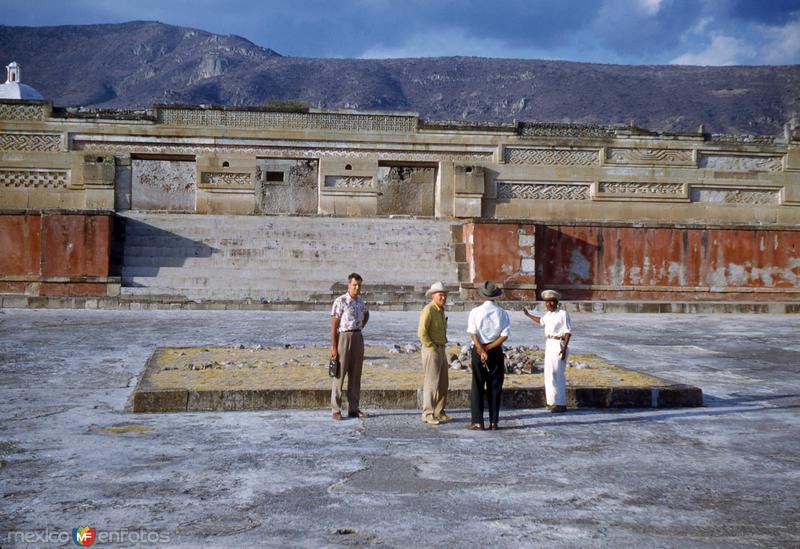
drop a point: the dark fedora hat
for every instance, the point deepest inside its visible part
(489, 290)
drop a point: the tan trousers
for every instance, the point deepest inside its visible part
(436, 382)
(351, 359)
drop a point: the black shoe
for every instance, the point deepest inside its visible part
(493, 427)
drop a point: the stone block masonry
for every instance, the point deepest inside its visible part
(203, 379)
(601, 213)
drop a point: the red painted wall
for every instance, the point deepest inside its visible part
(645, 263)
(498, 252)
(37, 247)
(20, 244)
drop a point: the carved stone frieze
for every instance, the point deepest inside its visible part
(226, 179)
(739, 163)
(22, 112)
(349, 182)
(663, 157)
(543, 191)
(734, 196)
(564, 130)
(288, 152)
(37, 142)
(287, 120)
(516, 155)
(36, 179)
(627, 188)
(743, 139)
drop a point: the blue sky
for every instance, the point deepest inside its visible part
(632, 32)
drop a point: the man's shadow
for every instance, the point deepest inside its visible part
(713, 406)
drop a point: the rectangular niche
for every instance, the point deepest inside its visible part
(286, 186)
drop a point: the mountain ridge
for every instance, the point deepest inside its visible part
(141, 63)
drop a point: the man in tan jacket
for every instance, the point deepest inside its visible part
(432, 333)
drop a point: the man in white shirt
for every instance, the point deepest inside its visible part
(488, 327)
(558, 330)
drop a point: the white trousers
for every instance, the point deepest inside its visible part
(555, 374)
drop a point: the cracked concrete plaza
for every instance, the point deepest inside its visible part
(725, 475)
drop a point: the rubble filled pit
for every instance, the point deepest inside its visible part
(238, 378)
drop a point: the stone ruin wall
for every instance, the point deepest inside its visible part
(570, 180)
(193, 159)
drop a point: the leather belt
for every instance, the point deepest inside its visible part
(555, 337)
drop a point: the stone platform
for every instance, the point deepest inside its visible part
(197, 379)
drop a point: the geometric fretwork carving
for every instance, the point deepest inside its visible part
(734, 196)
(513, 155)
(669, 157)
(640, 189)
(21, 112)
(736, 163)
(277, 120)
(38, 179)
(282, 152)
(564, 130)
(38, 142)
(543, 191)
(226, 179)
(349, 182)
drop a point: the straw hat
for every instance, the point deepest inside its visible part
(435, 288)
(551, 294)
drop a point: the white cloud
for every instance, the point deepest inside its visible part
(650, 7)
(449, 42)
(723, 50)
(782, 45)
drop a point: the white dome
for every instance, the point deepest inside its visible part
(13, 88)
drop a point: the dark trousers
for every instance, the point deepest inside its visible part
(487, 381)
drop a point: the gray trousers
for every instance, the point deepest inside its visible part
(351, 359)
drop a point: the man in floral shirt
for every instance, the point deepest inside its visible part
(349, 316)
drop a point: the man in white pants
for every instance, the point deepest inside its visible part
(558, 330)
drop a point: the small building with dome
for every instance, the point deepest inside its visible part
(14, 88)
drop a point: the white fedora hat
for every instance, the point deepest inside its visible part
(551, 294)
(435, 288)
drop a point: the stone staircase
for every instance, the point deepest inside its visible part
(252, 259)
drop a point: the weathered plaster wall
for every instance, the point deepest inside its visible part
(635, 263)
(406, 190)
(286, 186)
(169, 185)
(663, 263)
(56, 254)
(501, 252)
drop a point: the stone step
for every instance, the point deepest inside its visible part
(226, 258)
(179, 246)
(289, 267)
(341, 231)
(271, 220)
(204, 228)
(186, 280)
(304, 259)
(270, 295)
